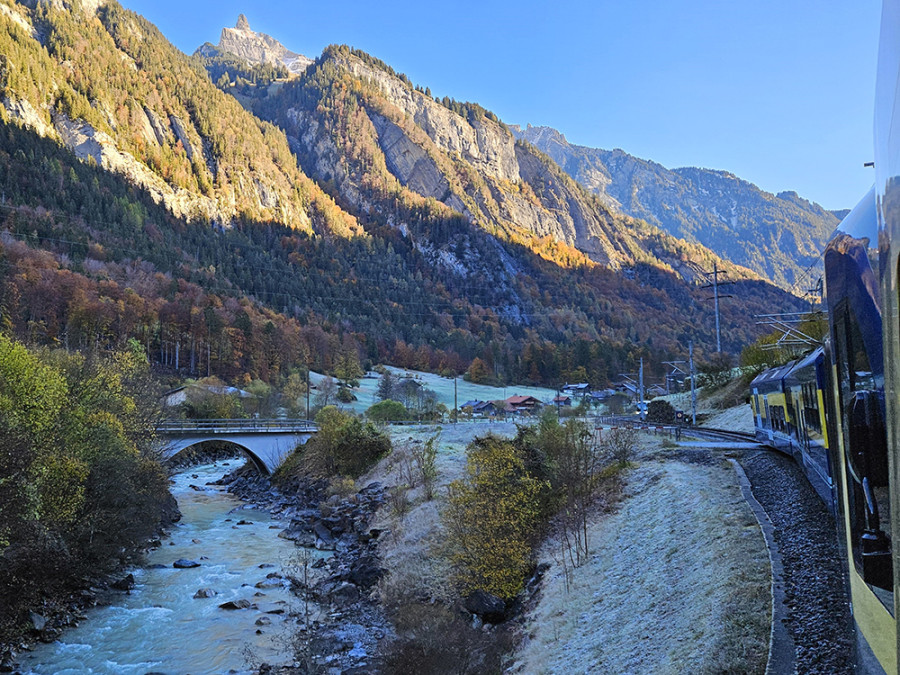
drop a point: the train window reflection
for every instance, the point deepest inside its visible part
(866, 454)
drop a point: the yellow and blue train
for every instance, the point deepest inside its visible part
(789, 414)
(838, 409)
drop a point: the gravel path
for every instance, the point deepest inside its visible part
(818, 611)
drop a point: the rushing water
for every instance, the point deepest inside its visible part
(160, 626)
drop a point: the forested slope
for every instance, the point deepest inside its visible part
(359, 262)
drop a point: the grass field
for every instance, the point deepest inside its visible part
(465, 391)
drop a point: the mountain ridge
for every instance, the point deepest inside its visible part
(778, 236)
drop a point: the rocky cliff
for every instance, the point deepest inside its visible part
(260, 48)
(779, 236)
(360, 126)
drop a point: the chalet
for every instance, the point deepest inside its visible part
(564, 401)
(580, 389)
(522, 404)
(487, 409)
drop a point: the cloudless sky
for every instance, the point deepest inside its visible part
(778, 92)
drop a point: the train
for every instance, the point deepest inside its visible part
(789, 414)
(837, 409)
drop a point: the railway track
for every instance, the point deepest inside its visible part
(706, 433)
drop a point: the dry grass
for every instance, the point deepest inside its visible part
(678, 582)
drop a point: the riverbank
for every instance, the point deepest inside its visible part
(346, 628)
(64, 608)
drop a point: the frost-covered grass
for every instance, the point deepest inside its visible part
(466, 391)
(678, 582)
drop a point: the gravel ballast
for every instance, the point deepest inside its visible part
(818, 615)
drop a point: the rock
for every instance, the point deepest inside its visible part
(245, 522)
(205, 593)
(365, 572)
(263, 566)
(322, 532)
(318, 564)
(263, 621)
(123, 584)
(344, 593)
(236, 604)
(38, 621)
(157, 566)
(183, 564)
(487, 606)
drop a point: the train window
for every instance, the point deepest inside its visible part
(811, 417)
(866, 454)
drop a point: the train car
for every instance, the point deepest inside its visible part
(861, 283)
(805, 391)
(772, 420)
(789, 415)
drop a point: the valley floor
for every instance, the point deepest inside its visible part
(678, 578)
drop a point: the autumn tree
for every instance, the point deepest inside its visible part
(491, 518)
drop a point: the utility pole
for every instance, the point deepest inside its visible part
(307, 392)
(715, 286)
(693, 387)
(455, 406)
(641, 385)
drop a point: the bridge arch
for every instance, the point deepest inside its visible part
(244, 450)
(266, 442)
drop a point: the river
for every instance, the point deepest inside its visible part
(160, 627)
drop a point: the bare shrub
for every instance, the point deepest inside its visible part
(619, 445)
(435, 639)
(425, 458)
(399, 500)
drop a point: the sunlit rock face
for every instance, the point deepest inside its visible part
(259, 47)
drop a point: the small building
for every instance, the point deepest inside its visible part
(564, 401)
(522, 404)
(580, 389)
(486, 409)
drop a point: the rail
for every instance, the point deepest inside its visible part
(235, 425)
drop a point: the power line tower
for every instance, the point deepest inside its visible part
(714, 284)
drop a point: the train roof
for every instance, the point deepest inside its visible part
(779, 373)
(794, 377)
(775, 374)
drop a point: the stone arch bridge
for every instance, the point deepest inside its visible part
(266, 442)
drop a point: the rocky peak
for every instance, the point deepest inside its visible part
(260, 48)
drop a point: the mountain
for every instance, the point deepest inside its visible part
(105, 83)
(375, 139)
(364, 220)
(778, 236)
(255, 48)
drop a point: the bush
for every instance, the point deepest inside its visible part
(387, 411)
(660, 412)
(492, 516)
(344, 395)
(344, 446)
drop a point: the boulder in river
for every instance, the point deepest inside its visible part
(183, 564)
(236, 604)
(205, 593)
(124, 584)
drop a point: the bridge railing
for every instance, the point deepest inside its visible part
(235, 425)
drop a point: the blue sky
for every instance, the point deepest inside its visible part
(779, 92)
